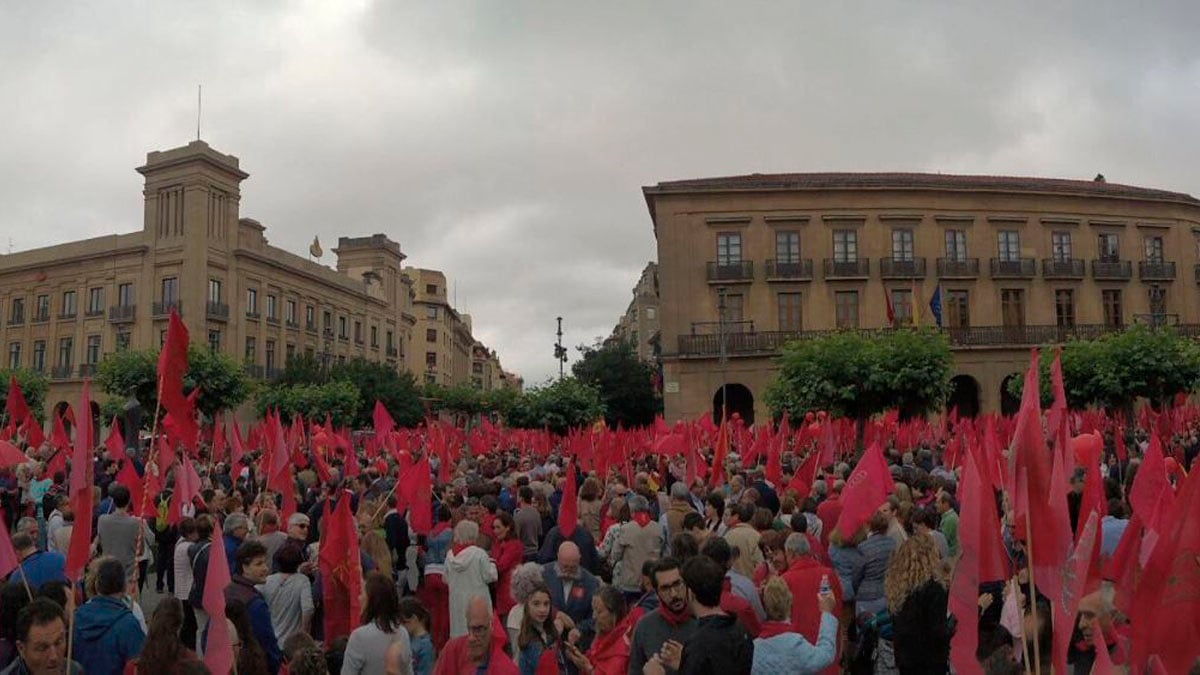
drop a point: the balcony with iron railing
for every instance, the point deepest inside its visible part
(310, 327)
(730, 272)
(16, 320)
(273, 320)
(789, 270)
(93, 312)
(67, 316)
(40, 317)
(1063, 268)
(61, 372)
(88, 369)
(392, 352)
(218, 311)
(847, 269)
(958, 268)
(1017, 268)
(253, 315)
(1112, 270)
(254, 371)
(122, 313)
(902, 268)
(164, 307)
(1156, 270)
(293, 325)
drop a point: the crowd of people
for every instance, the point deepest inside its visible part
(534, 565)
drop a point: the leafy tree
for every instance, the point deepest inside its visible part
(34, 386)
(222, 380)
(500, 401)
(626, 384)
(857, 374)
(1118, 368)
(378, 381)
(302, 369)
(340, 399)
(559, 407)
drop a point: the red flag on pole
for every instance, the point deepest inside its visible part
(172, 367)
(383, 420)
(80, 491)
(416, 489)
(236, 449)
(115, 443)
(15, 404)
(341, 570)
(568, 509)
(34, 436)
(964, 589)
(867, 489)
(1149, 483)
(1074, 579)
(9, 560)
(218, 653)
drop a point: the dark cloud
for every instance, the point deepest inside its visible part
(505, 143)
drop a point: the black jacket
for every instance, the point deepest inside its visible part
(720, 645)
(921, 635)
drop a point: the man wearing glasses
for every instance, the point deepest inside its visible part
(480, 651)
(671, 623)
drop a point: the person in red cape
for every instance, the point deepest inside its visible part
(804, 580)
(481, 650)
(609, 653)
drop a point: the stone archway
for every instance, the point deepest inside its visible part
(1009, 404)
(964, 395)
(741, 402)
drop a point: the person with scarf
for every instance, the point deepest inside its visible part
(469, 570)
(481, 650)
(433, 592)
(508, 552)
(639, 540)
(804, 578)
(614, 623)
(672, 621)
(779, 649)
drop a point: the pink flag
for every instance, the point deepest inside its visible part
(867, 489)
(81, 491)
(964, 589)
(8, 557)
(218, 655)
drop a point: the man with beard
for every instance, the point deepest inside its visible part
(672, 621)
(480, 650)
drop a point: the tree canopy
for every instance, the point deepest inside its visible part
(855, 374)
(559, 406)
(340, 399)
(625, 383)
(222, 381)
(34, 386)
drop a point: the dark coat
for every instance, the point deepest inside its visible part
(719, 645)
(579, 605)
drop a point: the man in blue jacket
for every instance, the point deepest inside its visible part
(37, 567)
(252, 570)
(107, 635)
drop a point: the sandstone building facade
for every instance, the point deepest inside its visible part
(747, 263)
(639, 325)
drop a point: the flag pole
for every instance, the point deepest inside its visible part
(147, 466)
(1037, 650)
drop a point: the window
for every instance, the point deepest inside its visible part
(729, 249)
(92, 355)
(431, 335)
(390, 338)
(1110, 248)
(18, 311)
(1060, 246)
(123, 337)
(214, 340)
(956, 245)
(1154, 249)
(214, 290)
(1012, 307)
(430, 360)
(42, 309)
(310, 319)
(787, 247)
(477, 368)
(651, 313)
(289, 311)
(358, 334)
(273, 307)
(270, 354)
(789, 312)
(1158, 301)
(1008, 246)
(734, 308)
(902, 306)
(374, 336)
(39, 355)
(125, 294)
(162, 338)
(170, 290)
(431, 289)
(957, 313)
(846, 304)
(251, 349)
(342, 328)
(845, 247)
(289, 352)
(252, 301)
(902, 245)
(14, 355)
(69, 306)
(327, 322)
(431, 312)
(95, 301)
(66, 352)
(1064, 307)
(1113, 315)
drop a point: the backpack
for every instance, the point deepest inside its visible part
(160, 522)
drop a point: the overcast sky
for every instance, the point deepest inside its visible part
(506, 142)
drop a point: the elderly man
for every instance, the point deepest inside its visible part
(571, 586)
(681, 505)
(298, 526)
(804, 578)
(235, 528)
(469, 570)
(36, 567)
(742, 536)
(1096, 613)
(480, 650)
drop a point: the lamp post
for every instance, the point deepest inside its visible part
(560, 352)
(721, 342)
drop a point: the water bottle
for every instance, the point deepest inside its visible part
(825, 589)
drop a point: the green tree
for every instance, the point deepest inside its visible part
(500, 401)
(378, 381)
(625, 383)
(222, 380)
(560, 406)
(857, 374)
(34, 386)
(1118, 368)
(302, 369)
(459, 400)
(340, 399)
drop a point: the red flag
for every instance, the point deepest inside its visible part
(219, 443)
(341, 570)
(1122, 452)
(9, 560)
(383, 420)
(187, 488)
(15, 404)
(10, 456)
(59, 437)
(964, 589)
(867, 489)
(81, 491)
(1074, 575)
(218, 654)
(721, 450)
(568, 509)
(416, 490)
(1057, 415)
(1103, 664)
(237, 449)
(34, 437)
(172, 367)
(115, 443)
(774, 472)
(1149, 483)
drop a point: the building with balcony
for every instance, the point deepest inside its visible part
(63, 307)
(639, 325)
(443, 344)
(749, 263)
(486, 372)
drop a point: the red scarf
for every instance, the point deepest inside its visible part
(459, 548)
(772, 628)
(641, 518)
(673, 619)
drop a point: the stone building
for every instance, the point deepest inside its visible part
(639, 325)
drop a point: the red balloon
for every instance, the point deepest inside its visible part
(808, 417)
(1087, 448)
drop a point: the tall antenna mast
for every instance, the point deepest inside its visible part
(199, 99)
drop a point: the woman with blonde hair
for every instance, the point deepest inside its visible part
(779, 649)
(917, 597)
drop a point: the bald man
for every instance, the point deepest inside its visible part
(571, 586)
(481, 650)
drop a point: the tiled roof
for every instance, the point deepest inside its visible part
(913, 181)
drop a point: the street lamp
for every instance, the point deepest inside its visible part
(560, 352)
(721, 341)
